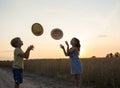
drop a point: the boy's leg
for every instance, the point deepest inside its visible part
(16, 85)
(18, 77)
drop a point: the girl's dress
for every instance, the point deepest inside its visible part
(76, 65)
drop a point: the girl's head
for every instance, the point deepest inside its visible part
(75, 42)
(16, 42)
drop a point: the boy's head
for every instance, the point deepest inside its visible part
(16, 42)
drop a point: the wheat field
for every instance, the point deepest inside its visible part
(96, 71)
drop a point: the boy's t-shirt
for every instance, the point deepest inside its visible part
(18, 61)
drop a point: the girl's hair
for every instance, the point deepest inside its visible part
(77, 44)
(14, 41)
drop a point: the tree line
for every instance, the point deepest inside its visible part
(111, 55)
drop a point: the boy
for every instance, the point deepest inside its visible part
(18, 64)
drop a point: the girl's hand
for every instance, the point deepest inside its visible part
(66, 43)
(61, 46)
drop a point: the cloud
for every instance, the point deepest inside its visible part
(102, 36)
(6, 51)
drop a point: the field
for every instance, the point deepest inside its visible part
(99, 72)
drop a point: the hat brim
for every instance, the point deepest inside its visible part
(37, 29)
(57, 34)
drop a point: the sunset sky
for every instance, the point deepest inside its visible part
(96, 23)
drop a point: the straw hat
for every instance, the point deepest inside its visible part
(37, 29)
(56, 33)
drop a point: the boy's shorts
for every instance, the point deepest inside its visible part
(18, 75)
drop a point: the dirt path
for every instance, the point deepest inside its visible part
(30, 81)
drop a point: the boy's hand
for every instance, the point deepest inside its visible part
(61, 46)
(31, 47)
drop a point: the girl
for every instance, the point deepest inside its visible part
(76, 66)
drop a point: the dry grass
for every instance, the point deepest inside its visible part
(98, 71)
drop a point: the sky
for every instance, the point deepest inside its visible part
(96, 23)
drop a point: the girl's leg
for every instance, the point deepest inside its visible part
(78, 81)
